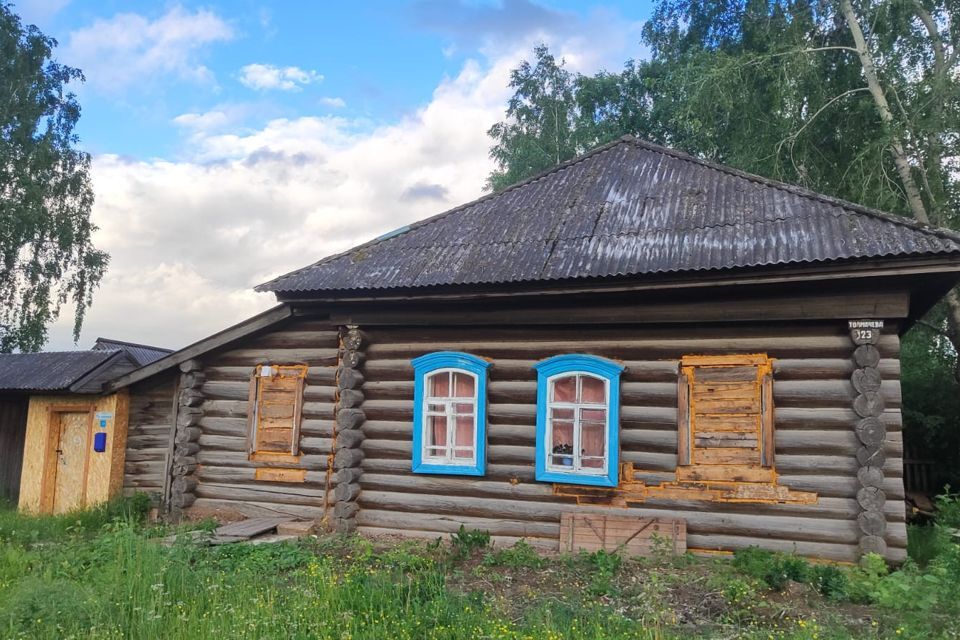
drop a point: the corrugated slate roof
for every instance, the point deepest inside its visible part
(629, 208)
(49, 371)
(142, 354)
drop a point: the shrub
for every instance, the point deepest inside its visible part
(520, 556)
(830, 581)
(772, 569)
(465, 541)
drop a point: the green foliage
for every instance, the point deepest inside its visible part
(24, 529)
(605, 566)
(46, 253)
(830, 581)
(774, 570)
(465, 541)
(520, 556)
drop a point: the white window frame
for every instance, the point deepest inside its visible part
(450, 413)
(577, 407)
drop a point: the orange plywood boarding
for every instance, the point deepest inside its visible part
(90, 477)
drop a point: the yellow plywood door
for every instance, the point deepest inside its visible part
(71, 461)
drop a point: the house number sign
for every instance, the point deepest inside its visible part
(865, 331)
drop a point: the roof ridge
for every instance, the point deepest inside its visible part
(910, 223)
(131, 344)
(439, 216)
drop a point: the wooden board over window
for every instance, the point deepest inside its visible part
(614, 534)
(276, 399)
(726, 417)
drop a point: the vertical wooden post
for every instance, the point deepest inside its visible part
(189, 413)
(871, 432)
(348, 434)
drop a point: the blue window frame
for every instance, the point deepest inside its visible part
(450, 414)
(578, 420)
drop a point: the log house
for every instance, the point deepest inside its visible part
(635, 341)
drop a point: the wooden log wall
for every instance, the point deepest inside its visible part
(349, 431)
(868, 404)
(189, 414)
(149, 436)
(226, 479)
(816, 441)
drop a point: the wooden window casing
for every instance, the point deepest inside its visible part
(276, 408)
(726, 415)
(578, 367)
(441, 417)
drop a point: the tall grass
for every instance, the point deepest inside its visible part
(121, 584)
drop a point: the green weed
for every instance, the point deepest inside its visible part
(520, 556)
(465, 541)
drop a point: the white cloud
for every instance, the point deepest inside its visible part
(190, 238)
(130, 49)
(266, 77)
(333, 102)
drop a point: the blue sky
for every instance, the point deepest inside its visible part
(234, 141)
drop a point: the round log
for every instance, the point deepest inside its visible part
(349, 419)
(869, 404)
(191, 365)
(188, 434)
(872, 456)
(870, 477)
(872, 523)
(350, 398)
(346, 492)
(873, 544)
(349, 439)
(346, 525)
(347, 458)
(349, 378)
(346, 509)
(866, 355)
(866, 379)
(193, 379)
(871, 498)
(353, 339)
(871, 432)
(352, 359)
(346, 476)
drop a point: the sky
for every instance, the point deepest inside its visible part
(235, 141)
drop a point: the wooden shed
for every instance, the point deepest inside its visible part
(634, 345)
(62, 440)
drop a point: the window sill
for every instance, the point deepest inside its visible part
(449, 469)
(610, 480)
(264, 456)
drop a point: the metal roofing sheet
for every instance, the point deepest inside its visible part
(49, 371)
(142, 354)
(629, 208)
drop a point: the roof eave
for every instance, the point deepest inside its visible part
(790, 272)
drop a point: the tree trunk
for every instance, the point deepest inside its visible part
(896, 146)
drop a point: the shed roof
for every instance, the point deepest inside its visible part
(142, 354)
(625, 209)
(51, 371)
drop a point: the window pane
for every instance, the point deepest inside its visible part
(564, 389)
(593, 439)
(437, 408)
(562, 414)
(436, 431)
(439, 385)
(464, 432)
(562, 438)
(592, 390)
(462, 385)
(591, 463)
(593, 415)
(463, 409)
(463, 453)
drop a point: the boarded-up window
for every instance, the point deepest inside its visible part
(276, 399)
(726, 412)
